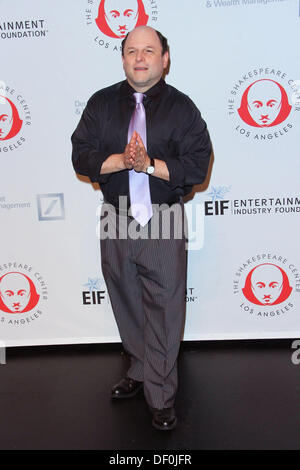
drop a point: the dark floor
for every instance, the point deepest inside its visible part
(232, 395)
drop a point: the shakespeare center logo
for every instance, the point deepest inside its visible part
(23, 291)
(110, 20)
(15, 117)
(263, 104)
(267, 285)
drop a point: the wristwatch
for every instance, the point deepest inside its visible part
(150, 169)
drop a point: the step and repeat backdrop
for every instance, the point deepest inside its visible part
(239, 60)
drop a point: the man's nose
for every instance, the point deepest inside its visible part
(140, 56)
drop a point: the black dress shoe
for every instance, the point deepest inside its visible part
(126, 388)
(164, 419)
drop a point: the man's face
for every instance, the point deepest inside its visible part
(267, 283)
(264, 102)
(15, 292)
(143, 61)
(121, 16)
(6, 119)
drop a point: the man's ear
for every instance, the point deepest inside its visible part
(166, 59)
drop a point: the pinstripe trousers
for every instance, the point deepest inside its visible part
(146, 280)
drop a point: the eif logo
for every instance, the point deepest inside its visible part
(94, 293)
(218, 205)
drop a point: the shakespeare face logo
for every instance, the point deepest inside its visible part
(17, 293)
(117, 17)
(15, 118)
(264, 104)
(109, 21)
(267, 284)
(10, 122)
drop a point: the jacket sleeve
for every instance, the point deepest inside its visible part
(87, 157)
(189, 159)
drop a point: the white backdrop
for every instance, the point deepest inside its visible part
(239, 62)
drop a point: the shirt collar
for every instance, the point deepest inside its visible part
(126, 90)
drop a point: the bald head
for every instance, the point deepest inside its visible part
(142, 30)
(144, 61)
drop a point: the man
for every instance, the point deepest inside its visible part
(143, 129)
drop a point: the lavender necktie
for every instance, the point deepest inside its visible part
(139, 189)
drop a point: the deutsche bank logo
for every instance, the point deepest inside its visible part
(51, 206)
